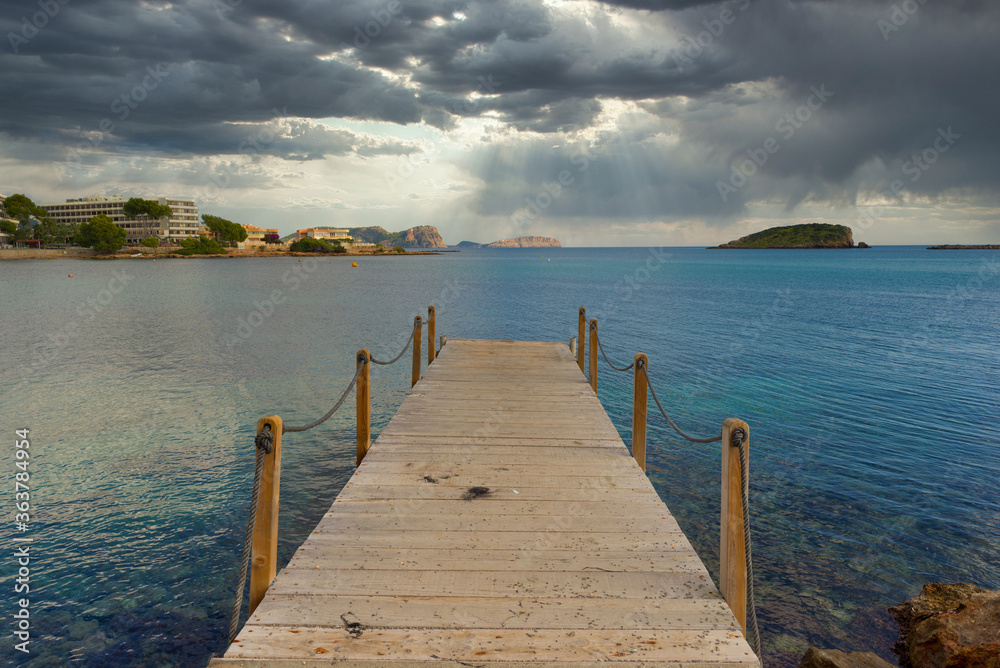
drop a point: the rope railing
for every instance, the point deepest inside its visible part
(736, 575)
(340, 402)
(593, 325)
(401, 352)
(259, 555)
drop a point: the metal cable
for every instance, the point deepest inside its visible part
(248, 541)
(744, 501)
(285, 429)
(401, 352)
(714, 439)
(601, 348)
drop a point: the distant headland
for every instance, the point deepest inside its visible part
(964, 247)
(517, 242)
(812, 235)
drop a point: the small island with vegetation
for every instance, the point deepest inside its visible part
(812, 235)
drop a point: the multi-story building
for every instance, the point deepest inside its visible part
(183, 224)
(255, 235)
(331, 233)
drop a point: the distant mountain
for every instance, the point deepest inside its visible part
(469, 244)
(526, 242)
(814, 235)
(424, 236)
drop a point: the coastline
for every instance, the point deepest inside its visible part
(88, 254)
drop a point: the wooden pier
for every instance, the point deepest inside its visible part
(498, 518)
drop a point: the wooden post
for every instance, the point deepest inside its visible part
(581, 339)
(418, 335)
(732, 556)
(572, 345)
(593, 354)
(639, 409)
(264, 554)
(444, 340)
(430, 334)
(364, 397)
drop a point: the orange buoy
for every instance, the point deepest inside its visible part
(70, 276)
(354, 264)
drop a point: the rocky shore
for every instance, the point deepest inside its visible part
(945, 626)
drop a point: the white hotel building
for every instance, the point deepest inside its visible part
(182, 225)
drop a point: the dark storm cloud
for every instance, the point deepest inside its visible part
(718, 77)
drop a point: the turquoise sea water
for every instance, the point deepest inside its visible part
(870, 380)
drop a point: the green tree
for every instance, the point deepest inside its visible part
(310, 245)
(150, 242)
(101, 234)
(136, 206)
(147, 209)
(203, 246)
(224, 230)
(8, 227)
(21, 208)
(27, 214)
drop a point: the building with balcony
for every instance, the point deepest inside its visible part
(330, 233)
(183, 224)
(255, 235)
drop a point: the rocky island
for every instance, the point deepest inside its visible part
(813, 235)
(424, 236)
(519, 242)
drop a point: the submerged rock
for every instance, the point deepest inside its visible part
(832, 658)
(949, 626)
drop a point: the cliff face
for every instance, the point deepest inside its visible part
(424, 236)
(526, 242)
(816, 235)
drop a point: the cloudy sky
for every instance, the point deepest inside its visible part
(620, 122)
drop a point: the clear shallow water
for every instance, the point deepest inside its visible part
(869, 379)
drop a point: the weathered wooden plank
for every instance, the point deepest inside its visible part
(507, 540)
(443, 466)
(645, 507)
(325, 556)
(538, 441)
(408, 523)
(360, 490)
(511, 479)
(556, 584)
(507, 613)
(495, 644)
(512, 456)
